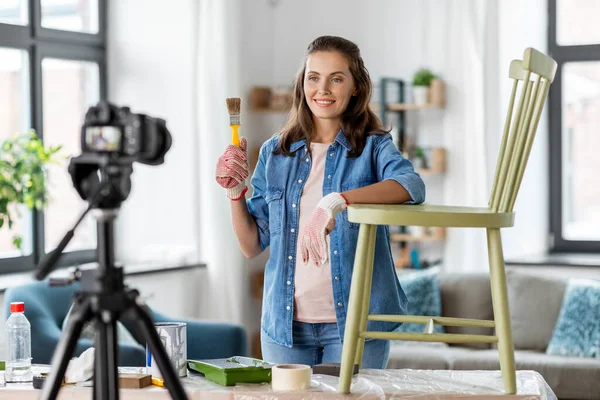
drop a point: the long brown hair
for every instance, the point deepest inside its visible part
(358, 121)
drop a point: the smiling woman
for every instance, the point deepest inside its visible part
(332, 152)
(332, 71)
(328, 86)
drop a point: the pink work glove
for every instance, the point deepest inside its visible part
(314, 242)
(232, 170)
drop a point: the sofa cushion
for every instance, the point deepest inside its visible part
(534, 303)
(422, 356)
(467, 295)
(569, 377)
(577, 331)
(423, 292)
(89, 331)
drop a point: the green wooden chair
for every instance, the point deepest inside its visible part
(519, 131)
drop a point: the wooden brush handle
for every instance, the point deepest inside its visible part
(235, 136)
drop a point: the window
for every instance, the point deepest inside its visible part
(52, 68)
(14, 117)
(70, 15)
(14, 12)
(76, 84)
(574, 42)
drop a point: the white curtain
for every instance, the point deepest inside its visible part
(469, 122)
(218, 77)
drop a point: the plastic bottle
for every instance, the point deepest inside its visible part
(18, 333)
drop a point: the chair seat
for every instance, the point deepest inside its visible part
(429, 215)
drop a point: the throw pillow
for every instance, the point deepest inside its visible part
(467, 295)
(577, 331)
(123, 335)
(535, 302)
(423, 292)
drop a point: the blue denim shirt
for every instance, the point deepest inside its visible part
(278, 181)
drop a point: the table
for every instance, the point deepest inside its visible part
(368, 384)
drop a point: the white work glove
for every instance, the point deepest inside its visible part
(314, 240)
(232, 170)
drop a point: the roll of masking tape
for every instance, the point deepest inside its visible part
(290, 377)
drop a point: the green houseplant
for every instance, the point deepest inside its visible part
(420, 160)
(23, 176)
(421, 82)
(423, 77)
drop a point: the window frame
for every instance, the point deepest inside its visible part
(40, 43)
(562, 55)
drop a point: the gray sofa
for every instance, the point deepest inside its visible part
(535, 303)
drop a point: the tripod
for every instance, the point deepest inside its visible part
(103, 297)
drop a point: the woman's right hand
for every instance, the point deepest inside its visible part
(232, 170)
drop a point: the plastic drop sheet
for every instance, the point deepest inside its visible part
(368, 384)
(409, 384)
(385, 384)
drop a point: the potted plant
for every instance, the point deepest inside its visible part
(419, 159)
(23, 177)
(421, 82)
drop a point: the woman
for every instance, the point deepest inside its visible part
(333, 152)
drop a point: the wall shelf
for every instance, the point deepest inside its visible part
(266, 99)
(434, 163)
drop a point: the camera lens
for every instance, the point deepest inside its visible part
(99, 114)
(126, 136)
(159, 141)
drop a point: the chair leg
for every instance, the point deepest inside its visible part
(367, 293)
(501, 310)
(354, 308)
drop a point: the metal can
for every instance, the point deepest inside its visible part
(173, 336)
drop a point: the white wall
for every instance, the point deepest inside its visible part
(276, 37)
(524, 24)
(396, 38)
(151, 69)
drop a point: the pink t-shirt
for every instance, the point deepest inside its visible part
(313, 292)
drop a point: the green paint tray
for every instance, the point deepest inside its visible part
(229, 371)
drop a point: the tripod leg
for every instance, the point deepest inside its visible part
(95, 380)
(106, 386)
(82, 312)
(146, 329)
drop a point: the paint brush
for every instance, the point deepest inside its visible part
(233, 108)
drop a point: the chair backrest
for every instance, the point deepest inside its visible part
(532, 76)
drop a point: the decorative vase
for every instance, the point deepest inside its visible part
(420, 94)
(437, 93)
(418, 163)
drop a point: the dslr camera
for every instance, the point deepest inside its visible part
(112, 138)
(123, 135)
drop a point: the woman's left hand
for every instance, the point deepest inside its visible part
(314, 243)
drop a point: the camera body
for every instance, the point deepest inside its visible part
(127, 136)
(112, 138)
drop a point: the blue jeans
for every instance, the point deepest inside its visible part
(321, 344)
